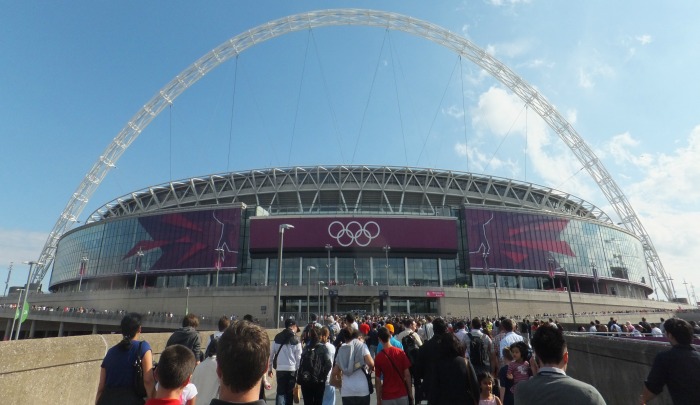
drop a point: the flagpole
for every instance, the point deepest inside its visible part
(83, 265)
(26, 293)
(18, 314)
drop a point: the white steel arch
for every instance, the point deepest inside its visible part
(387, 20)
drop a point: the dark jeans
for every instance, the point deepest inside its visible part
(120, 396)
(313, 393)
(285, 387)
(356, 400)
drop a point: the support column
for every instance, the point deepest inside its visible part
(94, 329)
(60, 329)
(440, 272)
(6, 336)
(32, 327)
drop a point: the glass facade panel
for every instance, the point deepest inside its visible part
(519, 246)
(423, 272)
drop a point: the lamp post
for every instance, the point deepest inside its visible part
(283, 227)
(18, 312)
(26, 293)
(595, 278)
(139, 258)
(187, 301)
(328, 264)
(571, 301)
(386, 249)
(219, 260)
(326, 308)
(7, 282)
(469, 300)
(498, 310)
(308, 291)
(687, 294)
(318, 299)
(83, 268)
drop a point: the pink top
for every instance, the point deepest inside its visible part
(491, 401)
(520, 371)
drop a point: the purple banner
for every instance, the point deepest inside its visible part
(191, 240)
(511, 240)
(355, 233)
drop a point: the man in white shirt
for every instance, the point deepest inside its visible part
(656, 331)
(509, 338)
(489, 362)
(410, 328)
(426, 330)
(284, 358)
(460, 330)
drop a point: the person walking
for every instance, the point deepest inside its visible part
(284, 360)
(392, 375)
(551, 385)
(677, 368)
(117, 372)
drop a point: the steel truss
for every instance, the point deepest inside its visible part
(324, 18)
(350, 189)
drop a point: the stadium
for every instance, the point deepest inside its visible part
(379, 239)
(391, 239)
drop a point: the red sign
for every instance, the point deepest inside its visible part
(434, 294)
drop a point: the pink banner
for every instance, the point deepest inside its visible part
(435, 235)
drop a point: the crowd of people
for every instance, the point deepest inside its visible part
(406, 360)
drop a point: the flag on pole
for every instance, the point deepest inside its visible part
(82, 268)
(25, 313)
(551, 271)
(595, 274)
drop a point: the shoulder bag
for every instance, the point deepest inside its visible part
(408, 389)
(139, 386)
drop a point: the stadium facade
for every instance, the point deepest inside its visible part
(407, 234)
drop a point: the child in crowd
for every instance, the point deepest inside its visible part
(519, 368)
(173, 373)
(486, 385)
(506, 395)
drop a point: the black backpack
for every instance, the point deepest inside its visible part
(477, 351)
(314, 365)
(410, 347)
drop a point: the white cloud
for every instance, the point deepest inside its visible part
(672, 175)
(454, 112)
(643, 39)
(499, 3)
(666, 201)
(584, 79)
(619, 148)
(500, 114)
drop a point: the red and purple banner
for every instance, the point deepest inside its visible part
(513, 240)
(207, 239)
(435, 235)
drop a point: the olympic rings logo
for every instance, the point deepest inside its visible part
(353, 232)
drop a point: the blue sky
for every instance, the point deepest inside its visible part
(623, 73)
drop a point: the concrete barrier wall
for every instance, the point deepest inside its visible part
(66, 370)
(617, 367)
(62, 370)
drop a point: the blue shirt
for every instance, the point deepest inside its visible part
(394, 342)
(118, 364)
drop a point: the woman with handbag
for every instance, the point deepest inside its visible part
(126, 373)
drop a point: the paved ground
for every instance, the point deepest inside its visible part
(338, 400)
